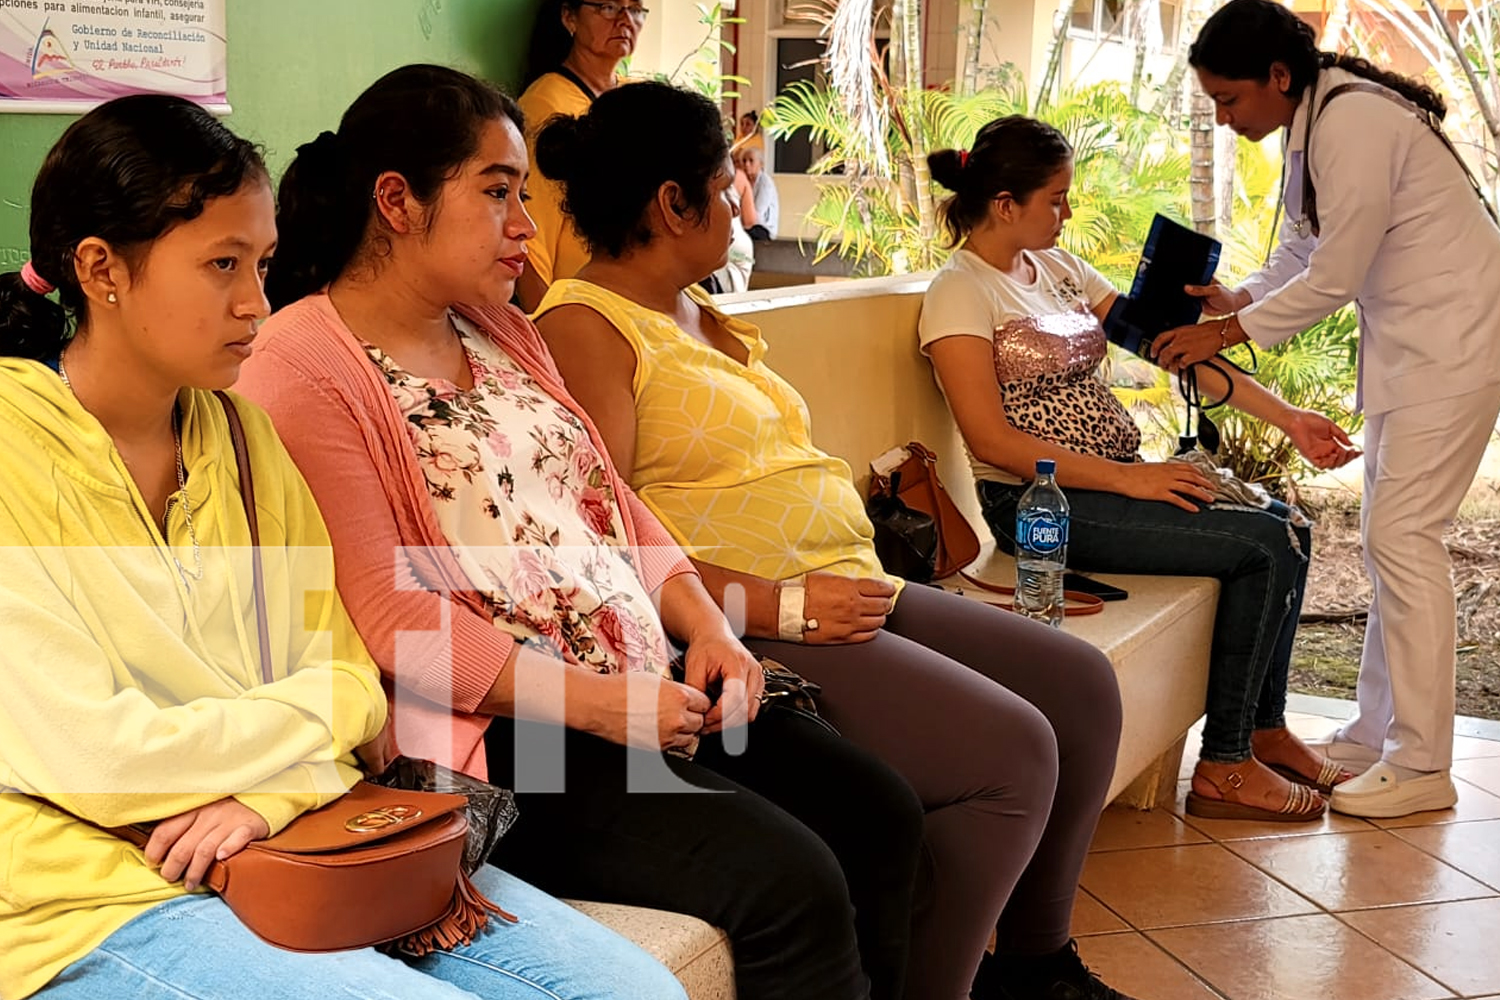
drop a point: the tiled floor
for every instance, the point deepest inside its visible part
(1179, 908)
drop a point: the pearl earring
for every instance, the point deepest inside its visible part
(110, 298)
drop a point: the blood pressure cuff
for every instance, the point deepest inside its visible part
(1172, 257)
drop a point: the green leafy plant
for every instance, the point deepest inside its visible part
(699, 70)
(1125, 170)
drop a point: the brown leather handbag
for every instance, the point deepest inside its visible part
(918, 487)
(377, 866)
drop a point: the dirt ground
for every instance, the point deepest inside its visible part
(1325, 660)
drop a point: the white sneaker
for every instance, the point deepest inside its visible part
(1380, 794)
(1355, 756)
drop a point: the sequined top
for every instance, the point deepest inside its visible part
(1047, 367)
(1048, 346)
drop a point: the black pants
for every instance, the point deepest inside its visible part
(804, 851)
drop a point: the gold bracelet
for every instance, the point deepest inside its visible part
(1224, 333)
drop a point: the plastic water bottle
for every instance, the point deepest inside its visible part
(1041, 547)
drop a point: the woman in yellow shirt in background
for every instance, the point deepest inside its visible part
(576, 50)
(1006, 729)
(133, 689)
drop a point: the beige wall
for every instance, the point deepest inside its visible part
(672, 33)
(851, 350)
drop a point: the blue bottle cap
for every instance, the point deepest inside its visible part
(1045, 467)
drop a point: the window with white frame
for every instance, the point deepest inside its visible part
(1101, 19)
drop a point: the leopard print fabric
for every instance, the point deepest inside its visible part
(1047, 367)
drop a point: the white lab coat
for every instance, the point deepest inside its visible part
(1405, 237)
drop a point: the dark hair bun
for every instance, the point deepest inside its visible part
(946, 166)
(613, 161)
(560, 145)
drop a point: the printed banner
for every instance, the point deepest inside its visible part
(61, 56)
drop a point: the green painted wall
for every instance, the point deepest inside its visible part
(294, 65)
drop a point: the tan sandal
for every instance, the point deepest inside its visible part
(1330, 774)
(1302, 803)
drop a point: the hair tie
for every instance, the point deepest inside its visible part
(963, 158)
(35, 281)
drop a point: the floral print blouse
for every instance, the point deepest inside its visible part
(522, 496)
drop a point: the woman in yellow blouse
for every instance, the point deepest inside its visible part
(576, 50)
(1005, 728)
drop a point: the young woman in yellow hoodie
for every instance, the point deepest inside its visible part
(132, 681)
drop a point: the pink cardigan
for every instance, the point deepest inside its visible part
(339, 420)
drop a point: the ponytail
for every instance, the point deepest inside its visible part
(320, 221)
(125, 173)
(32, 326)
(1014, 154)
(1414, 91)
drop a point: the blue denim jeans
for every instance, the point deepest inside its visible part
(194, 947)
(1262, 577)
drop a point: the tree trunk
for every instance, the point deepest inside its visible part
(1054, 56)
(1335, 26)
(906, 62)
(975, 13)
(1226, 150)
(1138, 29)
(1195, 14)
(1201, 180)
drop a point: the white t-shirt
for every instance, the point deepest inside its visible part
(971, 298)
(1047, 348)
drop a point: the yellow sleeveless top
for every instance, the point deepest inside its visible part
(724, 454)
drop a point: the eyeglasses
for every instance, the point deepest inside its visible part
(609, 11)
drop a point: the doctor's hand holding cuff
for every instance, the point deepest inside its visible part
(1188, 345)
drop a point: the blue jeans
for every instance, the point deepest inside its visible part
(1261, 575)
(193, 946)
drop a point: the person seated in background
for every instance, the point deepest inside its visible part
(1006, 729)
(734, 276)
(748, 133)
(134, 691)
(467, 492)
(1012, 325)
(752, 162)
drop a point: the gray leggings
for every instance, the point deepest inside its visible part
(1007, 731)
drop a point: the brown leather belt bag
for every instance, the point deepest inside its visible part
(374, 866)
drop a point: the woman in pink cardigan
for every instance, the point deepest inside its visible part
(507, 581)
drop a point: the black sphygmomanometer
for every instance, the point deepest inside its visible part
(1172, 257)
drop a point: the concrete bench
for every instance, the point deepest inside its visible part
(851, 349)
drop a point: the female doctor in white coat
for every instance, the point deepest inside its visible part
(1391, 220)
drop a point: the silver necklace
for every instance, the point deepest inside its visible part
(188, 575)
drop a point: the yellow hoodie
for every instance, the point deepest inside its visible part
(128, 695)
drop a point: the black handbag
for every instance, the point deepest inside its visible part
(906, 539)
(490, 811)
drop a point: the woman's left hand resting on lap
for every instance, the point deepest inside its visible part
(184, 846)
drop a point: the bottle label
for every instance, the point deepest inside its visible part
(1042, 532)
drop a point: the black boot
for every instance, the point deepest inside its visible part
(1058, 976)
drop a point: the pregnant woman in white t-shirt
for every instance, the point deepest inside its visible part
(1012, 325)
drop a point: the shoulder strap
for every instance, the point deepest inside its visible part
(247, 497)
(1079, 603)
(1309, 196)
(576, 81)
